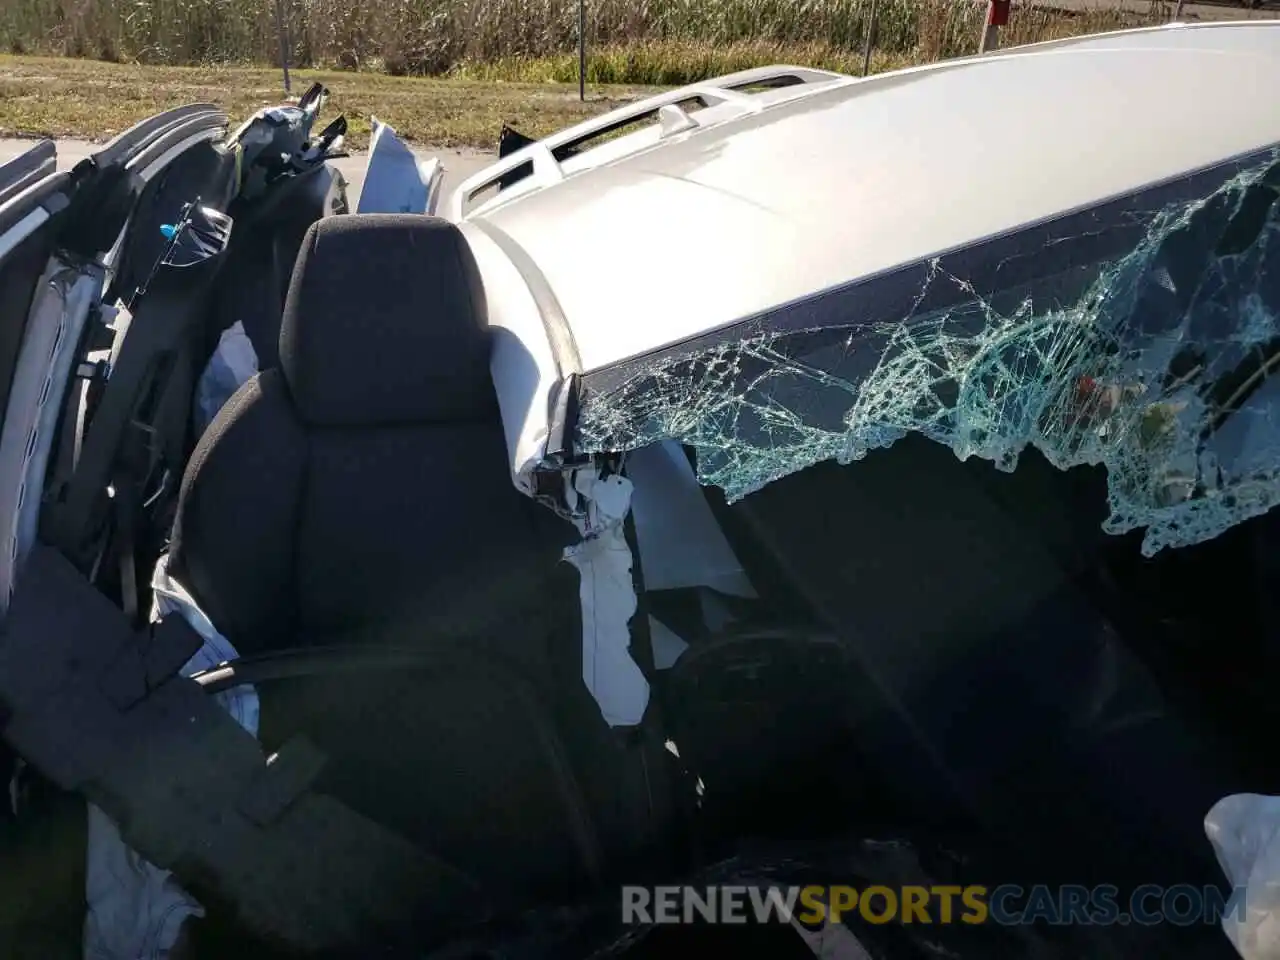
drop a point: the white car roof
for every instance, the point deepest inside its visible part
(758, 201)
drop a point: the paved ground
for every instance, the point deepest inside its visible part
(458, 164)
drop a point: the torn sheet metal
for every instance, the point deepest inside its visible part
(1245, 832)
(395, 180)
(1156, 366)
(608, 597)
(135, 909)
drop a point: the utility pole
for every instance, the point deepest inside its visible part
(997, 17)
(582, 50)
(282, 31)
(866, 41)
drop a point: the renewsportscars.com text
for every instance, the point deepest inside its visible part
(1007, 905)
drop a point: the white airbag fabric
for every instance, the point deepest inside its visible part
(395, 180)
(232, 364)
(1245, 832)
(608, 597)
(136, 909)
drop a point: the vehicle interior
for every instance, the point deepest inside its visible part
(936, 654)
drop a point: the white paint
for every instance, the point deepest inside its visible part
(521, 362)
(849, 179)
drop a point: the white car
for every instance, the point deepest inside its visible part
(791, 478)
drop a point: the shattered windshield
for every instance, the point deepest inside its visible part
(1139, 336)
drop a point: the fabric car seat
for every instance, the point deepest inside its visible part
(359, 494)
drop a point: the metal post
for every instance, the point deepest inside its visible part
(997, 17)
(866, 41)
(282, 31)
(990, 37)
(582, 50)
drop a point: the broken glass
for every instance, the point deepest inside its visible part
(1154, 363)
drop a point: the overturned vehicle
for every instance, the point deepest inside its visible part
(789, 479)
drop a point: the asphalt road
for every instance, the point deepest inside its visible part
(458, 164)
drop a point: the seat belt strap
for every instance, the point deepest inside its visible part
(96, 706)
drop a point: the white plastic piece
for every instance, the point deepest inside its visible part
(719, 90)
(396, 181)
(136, 910)
(667, 645)
(672, 120)
(1245, 832)
(232, 364)
(608, 598)
(681, 545)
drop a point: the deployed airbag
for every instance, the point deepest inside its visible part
(136, 909)
(1245, 832)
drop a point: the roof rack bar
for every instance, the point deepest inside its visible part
(721, 90)
(546, 169)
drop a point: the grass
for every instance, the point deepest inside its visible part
(61, 97)
(435, 37)
(90, 68)
(95, 99)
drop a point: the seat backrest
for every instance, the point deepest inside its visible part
(269, 235)
(363, 483)
(359, 493)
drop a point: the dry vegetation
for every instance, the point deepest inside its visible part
(633, 41)
(90, 68)
(82, 98)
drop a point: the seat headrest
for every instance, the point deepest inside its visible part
(385, 324)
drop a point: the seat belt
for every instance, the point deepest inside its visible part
(128, 437)
(99, 708)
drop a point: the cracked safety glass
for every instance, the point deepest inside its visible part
(1154, 361)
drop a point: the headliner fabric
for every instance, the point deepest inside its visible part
(346, 365)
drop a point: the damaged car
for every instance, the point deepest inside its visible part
(789, 478)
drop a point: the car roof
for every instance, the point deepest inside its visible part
(840, 179)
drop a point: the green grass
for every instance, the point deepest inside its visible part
(61, 97)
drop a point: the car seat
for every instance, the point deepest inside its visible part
(358, 496)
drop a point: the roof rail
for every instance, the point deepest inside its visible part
(545, 156)
(26, 168)
(129, 143)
